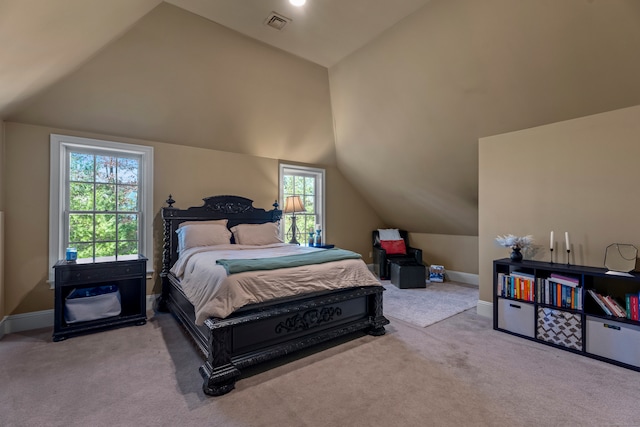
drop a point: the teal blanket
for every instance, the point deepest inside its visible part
(316, 257)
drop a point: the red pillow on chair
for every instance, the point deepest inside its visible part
(394, 247)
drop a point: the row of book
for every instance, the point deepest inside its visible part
(556, 290)
(516, 285)
(613, 308)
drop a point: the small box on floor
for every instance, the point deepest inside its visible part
(436, 273)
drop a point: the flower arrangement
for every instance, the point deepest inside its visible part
(515, 242)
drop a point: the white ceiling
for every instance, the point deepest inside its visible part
(44, 40)
(322, 31)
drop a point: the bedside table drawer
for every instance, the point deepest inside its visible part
(80, 274)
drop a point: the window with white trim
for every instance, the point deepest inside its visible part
(100, 199)
(309, 184)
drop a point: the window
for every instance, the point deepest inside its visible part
(100, 198)
(308, 183)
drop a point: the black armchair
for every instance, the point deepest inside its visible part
(381, 259)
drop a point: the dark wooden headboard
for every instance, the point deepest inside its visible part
(236, 209)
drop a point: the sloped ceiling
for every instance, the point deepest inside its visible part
(408, 107)
(322, 31)
(43, 41)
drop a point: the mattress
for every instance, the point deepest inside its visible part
(214, 293)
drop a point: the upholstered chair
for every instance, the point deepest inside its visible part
(382, 257)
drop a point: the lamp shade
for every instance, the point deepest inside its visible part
(293, 204)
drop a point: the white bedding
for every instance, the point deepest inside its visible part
(214, 294)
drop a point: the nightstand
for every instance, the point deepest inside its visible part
(128, 275)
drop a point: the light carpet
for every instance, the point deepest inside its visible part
(426, 306)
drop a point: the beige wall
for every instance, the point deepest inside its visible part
(188, 173)
(455, 253)
(579, 176)
(2, 292)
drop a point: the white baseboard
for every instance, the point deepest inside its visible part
(2, 323)
(459, 276)
(42, 319)
(484, 309)
(455, 276)
(27, 321)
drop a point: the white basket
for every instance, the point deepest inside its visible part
(92, 308)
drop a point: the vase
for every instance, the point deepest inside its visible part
(516, 255)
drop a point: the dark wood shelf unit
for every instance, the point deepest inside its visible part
(608, 338)
(129, 275)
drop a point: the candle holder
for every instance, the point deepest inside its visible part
(568, 256)
(551, 255)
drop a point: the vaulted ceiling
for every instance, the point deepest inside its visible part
(413, 83)
(42, 41)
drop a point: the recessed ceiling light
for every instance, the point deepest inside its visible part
(297, 2)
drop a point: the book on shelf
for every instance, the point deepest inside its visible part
(634, 312)
(540, 291)
(609, 305)
(525, 284)
(560, 295)
(516, 285)
(564, 280)
(616, 308)
(598, 298)
(523, 275)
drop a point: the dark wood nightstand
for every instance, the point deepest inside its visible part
(128, 275)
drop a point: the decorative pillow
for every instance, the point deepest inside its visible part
(213, 221)
(256, 234)
(193, 235)
(389, 234)
(394, 247)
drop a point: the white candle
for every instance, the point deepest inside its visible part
(551, 241)
(566, 239)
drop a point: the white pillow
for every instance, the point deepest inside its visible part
(193, 235)
(389, 234)
(256, 234)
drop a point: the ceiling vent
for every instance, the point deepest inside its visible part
(277, 21)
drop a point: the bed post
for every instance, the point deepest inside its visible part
(378, 321)
(166, 255)
(218, 372)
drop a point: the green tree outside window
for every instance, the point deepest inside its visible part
(103, 205)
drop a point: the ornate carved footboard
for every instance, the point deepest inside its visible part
(260, 333)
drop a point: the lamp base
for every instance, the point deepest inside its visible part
(294, 230)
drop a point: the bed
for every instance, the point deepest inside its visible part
(257, 329)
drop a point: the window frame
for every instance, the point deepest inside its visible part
(320, 196)
(58, 188)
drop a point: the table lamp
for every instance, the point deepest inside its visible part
(292, 205)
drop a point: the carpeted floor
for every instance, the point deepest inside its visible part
(425, 306)
(456, 372)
